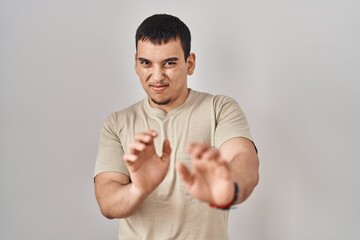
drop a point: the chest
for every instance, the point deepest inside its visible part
(193, 125)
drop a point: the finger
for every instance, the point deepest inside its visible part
(153, 133)
(185, 174)
(133, 162)
(136, 147)
(189, 147)
(130, 157)
(197, 149)
(193, 145)
(146, 137)
(166, 150)
(211, 154)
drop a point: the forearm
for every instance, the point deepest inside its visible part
(242, 156)
(118, 200)
(245, 173)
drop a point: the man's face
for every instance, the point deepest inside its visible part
(163, 71)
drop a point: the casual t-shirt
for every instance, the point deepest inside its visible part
(169, 212)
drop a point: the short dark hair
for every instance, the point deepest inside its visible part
(161, 28)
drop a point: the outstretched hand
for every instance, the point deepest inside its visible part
(147, 170)
(210, 179)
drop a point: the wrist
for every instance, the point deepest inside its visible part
(232, 202)
(137, 193)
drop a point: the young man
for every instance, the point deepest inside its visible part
(172, 165)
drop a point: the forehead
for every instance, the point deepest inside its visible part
(150, 51)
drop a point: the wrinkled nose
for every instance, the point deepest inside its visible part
(158, 74)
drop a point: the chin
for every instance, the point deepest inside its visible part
(161, 102)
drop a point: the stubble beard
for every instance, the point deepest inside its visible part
(161, 103)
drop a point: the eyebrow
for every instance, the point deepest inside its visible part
(141, 59)
(170, 59)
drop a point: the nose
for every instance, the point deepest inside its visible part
(158, 74)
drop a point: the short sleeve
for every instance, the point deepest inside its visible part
(110, 151)
(230, 120)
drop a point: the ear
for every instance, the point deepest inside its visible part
(136, 63)
(191, 63)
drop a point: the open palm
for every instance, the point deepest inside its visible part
(210, 179)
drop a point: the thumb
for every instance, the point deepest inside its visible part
(185, 174)
(166, 151)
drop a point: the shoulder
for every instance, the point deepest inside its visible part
(115, 118)
(201, 97)
(226, 105)
(218, 101)
(224, 102)
(223, 99)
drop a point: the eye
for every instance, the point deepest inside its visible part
(169, 64)
(144, 62)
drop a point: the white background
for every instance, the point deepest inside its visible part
(294, 67)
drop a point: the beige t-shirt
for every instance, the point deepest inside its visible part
(170, 212)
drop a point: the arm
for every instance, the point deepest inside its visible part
(117, 196)
(244, 162)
